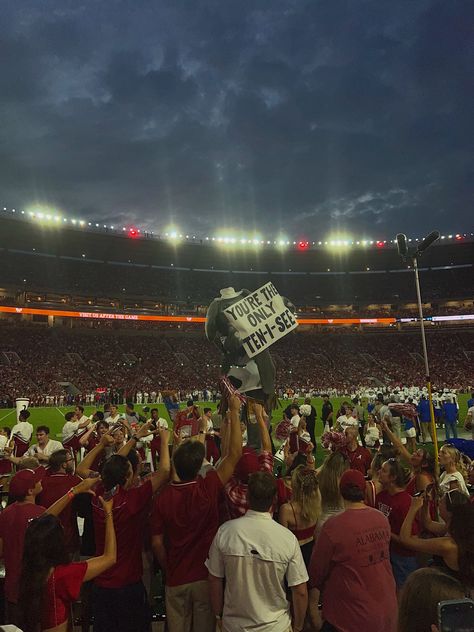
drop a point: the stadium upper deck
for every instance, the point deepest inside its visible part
(63, 260)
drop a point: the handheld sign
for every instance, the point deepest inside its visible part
(261, 318)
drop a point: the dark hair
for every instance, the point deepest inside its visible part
(44, 547)
(134, 460)
(187, 459)
(7, 430)
(461, 529)
(129, 404)
(99, 415)
(43, 429)
(68, 416)
(57, 459)
(24, 414)
(300, 459)
(400, 474)
(352, 493)
(189, 403)
(81, 408)
(115, 471)
(154, 410)
(420, 596)
(207, 410)
(387, 452)
(261, 491)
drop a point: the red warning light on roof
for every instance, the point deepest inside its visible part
(458, 237)
(133, 233)
(303, 245)
(380, 244)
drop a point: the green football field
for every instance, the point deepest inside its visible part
(54, 417)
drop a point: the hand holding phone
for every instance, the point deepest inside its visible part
(456, 615)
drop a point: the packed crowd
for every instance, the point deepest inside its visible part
(132, 362)
(244, 536)
(96, 278)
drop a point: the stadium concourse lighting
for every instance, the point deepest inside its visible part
(412, 255)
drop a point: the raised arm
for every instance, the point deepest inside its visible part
(162, 474)
(227, 464)
(97, 565)
(395, 441)
(84, 487)
(435, 546)
(265, 442)
(84, 468)
(143, 431)
(84, 439)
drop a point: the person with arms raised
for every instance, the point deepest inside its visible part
(119, 596)
(186, 518)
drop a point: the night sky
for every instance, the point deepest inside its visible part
(283, 117)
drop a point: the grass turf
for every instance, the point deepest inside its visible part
(54, 417)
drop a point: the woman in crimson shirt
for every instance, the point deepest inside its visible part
(49, 582)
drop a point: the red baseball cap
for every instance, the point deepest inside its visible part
(248, 464)
(352, 478)
(24, 480)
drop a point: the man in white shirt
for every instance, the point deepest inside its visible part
(347, 420)
(23, 429)
(114, 417)
(255, 555)
(45, 446)
(74, 424)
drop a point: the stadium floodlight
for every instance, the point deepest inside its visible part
(412, 255)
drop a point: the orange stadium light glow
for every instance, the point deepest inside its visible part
(178, 319)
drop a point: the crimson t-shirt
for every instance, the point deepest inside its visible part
(55, 485)
(13, 524)
(130, 510)
(396, 507)
(62, 589)
(350, 565)
(360, 459)
(187, 515)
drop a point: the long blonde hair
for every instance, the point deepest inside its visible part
(305, 488)
(330, 473)
(457, 460)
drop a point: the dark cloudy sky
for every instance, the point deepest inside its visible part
(301, 116)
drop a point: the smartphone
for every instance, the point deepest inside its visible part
(456, 615)
(111, 493)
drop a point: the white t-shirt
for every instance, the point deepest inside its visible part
(445, 480)
(24, 429)
(160, 423)
(49, 448)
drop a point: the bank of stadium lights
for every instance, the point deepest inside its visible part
(44, 214)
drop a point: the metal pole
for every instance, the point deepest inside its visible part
(427, 369)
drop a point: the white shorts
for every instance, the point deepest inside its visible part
(410, 433)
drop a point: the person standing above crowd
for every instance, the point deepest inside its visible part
(185, 519)
(257, 558)
(352, 553)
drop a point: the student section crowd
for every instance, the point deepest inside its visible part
(346, 546)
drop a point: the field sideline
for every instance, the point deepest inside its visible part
(54, 417)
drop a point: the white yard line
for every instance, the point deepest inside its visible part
(10, 413)
(60, 411)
